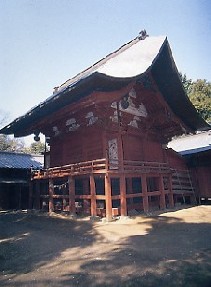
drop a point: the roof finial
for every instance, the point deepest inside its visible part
(55, 90)
(142, 35)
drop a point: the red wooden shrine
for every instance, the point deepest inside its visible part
(107, 129)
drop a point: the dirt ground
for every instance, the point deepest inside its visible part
(166, 249)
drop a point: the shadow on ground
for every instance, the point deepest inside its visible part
(28, 241)
(172, 253)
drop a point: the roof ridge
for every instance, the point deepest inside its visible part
(19, 153)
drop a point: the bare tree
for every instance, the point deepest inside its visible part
(8, 143)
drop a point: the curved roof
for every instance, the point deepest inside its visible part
(113, 72)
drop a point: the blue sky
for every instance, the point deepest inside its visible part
(45, 42)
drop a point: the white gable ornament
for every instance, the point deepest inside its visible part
(132, 93)
(132, 109)
(72, 124)
(134, 122)
(115, 118)
(142, 110)
(56, 131)
(91, 118)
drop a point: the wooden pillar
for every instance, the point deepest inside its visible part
(108, 197)
(162, 193)
(71, 184)
(93, 196)
(145, 194)
(170, 195)
(123, 196)
(51, 193)
(86, 192)
(63, 198)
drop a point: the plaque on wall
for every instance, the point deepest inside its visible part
(113, 153)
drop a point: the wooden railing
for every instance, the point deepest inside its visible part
(143, 166)
(95, 166)
(102, 166)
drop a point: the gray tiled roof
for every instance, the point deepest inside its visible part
(192, 143)
(20, 160)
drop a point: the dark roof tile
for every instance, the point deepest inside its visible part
(20, 160)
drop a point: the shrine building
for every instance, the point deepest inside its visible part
(108, 129)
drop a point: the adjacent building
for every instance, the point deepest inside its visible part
(195, 149)
(15, 179)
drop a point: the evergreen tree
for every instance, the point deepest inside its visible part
(200, 95)
(199, 92)
(36, 148)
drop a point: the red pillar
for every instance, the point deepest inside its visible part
(108, 197)
(93, 196)
(123, 196)
(51, 192)
(71, 184)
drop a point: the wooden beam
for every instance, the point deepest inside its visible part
(51, 193)
(71, 184)
(123, 195)
(93, 196)
(108, 197)
(132, 195)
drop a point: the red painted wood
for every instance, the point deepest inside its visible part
(93, 196)
(123, 203)
(108, 198)
(71, 184)
(51, 193)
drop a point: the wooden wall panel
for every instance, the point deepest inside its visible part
(93, 146)
(133, 148)
(76, 147)
(137, 148)
(73, 148)
(204, 181)
(175, 160)
(56, 152)
(153, 151)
